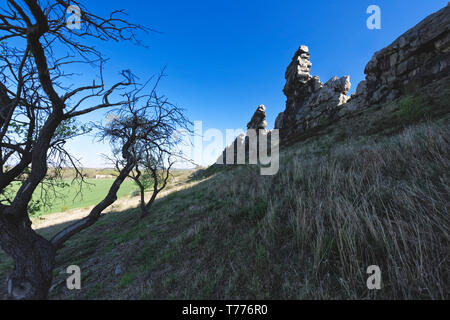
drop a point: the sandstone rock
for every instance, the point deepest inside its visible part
(309, 101)
(279, 121)
(341, 85)
(298, 70)
(258, 120)
(420, 55)
(361, 89)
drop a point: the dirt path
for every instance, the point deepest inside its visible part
(76, 214)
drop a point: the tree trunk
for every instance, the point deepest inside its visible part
(144, 211)
(145, 208)
(34, 259)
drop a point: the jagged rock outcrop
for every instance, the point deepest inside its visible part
(258, 122)
(309, 101)
(419, 56)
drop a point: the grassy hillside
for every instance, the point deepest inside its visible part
(371, 189)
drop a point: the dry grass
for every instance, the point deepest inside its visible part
(380, 204)
(312, 230)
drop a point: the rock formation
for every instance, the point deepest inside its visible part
(258, 122)
(309, 101)
(417, 57)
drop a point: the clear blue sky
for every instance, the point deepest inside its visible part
(224, 58)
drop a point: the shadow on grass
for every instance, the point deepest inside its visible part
(79, 251)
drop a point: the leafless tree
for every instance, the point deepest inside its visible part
(36, 104)
(159, 128)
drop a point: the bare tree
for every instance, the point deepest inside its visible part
(35, 104)
(159, 128)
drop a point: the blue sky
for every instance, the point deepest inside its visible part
(224, 58)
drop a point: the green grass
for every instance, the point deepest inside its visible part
(68, 197)
(411, 109)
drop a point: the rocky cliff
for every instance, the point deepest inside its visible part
(419, 56)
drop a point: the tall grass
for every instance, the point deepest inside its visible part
(376, 203)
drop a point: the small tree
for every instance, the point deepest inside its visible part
(157, 125)
(152, 171)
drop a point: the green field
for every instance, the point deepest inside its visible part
(69, 197)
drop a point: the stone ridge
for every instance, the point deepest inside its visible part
(419, 56)
(308, 99)
(258, 123)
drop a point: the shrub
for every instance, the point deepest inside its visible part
(411, 109)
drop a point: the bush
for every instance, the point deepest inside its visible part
(411, 109)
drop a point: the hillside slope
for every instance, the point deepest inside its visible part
(370, 189)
